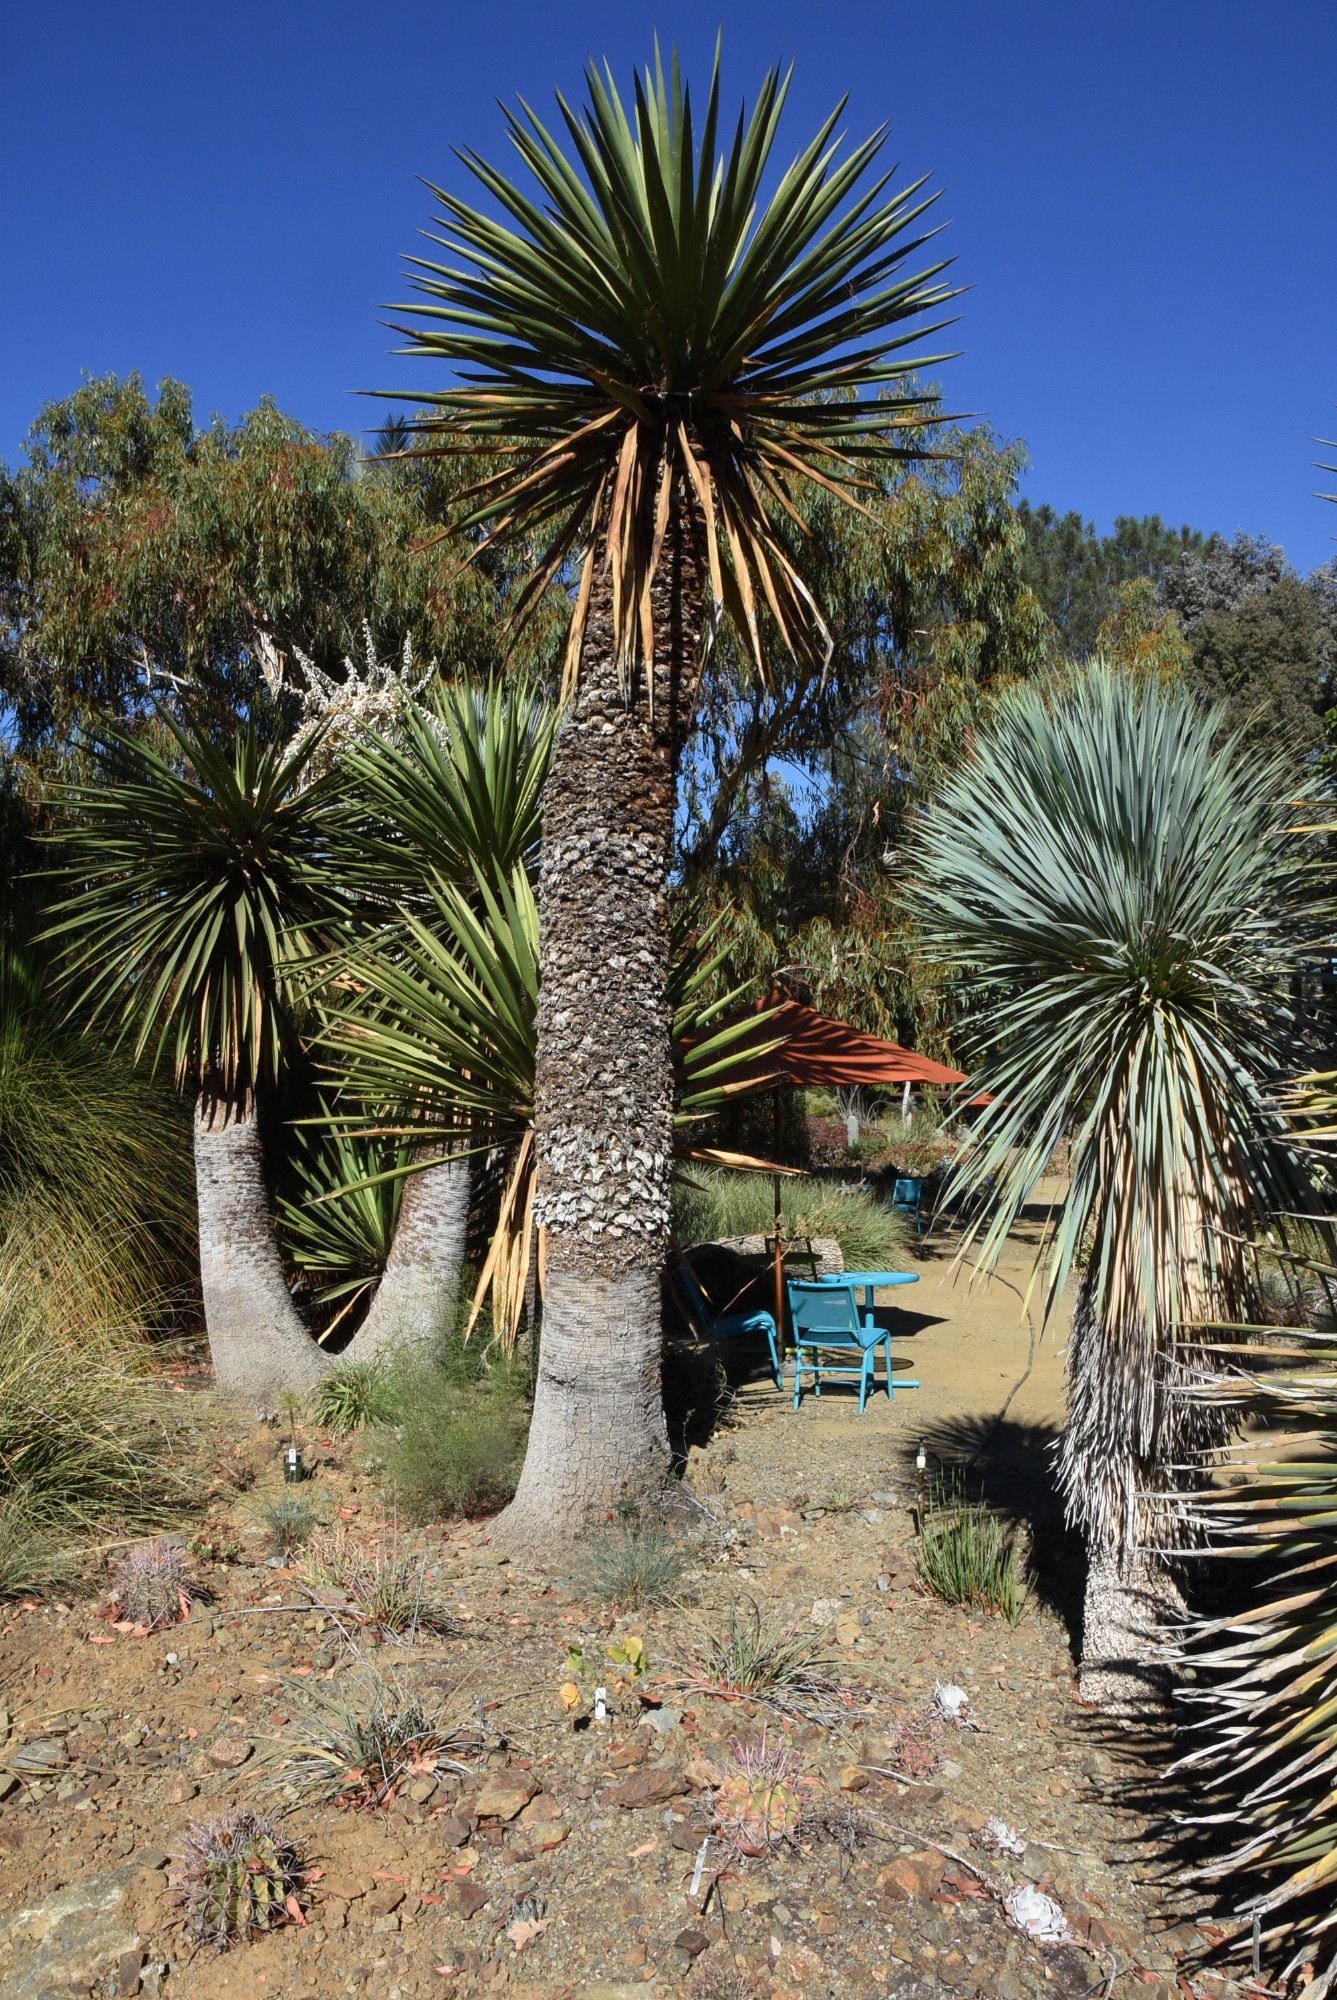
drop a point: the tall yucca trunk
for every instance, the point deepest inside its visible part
(257, 1341)
(604, 1087)
(1130, 1440)
(414, 1304)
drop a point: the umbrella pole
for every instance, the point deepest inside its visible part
(779, 1219)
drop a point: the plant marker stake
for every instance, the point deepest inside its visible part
(601, 1704)
(701, 1853)
(292, 1466)
(921, 1467)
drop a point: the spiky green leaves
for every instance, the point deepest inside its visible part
(643, 329)
(197, 883)
(1120, 882)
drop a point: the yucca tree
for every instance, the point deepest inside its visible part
(663, 353)
(197, 883)
(446, 810)
(1119, 880)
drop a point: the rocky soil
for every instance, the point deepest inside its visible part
(567, 1857)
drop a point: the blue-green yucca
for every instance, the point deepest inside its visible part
(1118, 878)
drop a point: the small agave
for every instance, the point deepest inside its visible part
(236, 1879)
(758, 1806)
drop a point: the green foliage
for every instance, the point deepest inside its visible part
(711, 1203)
(648, 333)
(359, 1741)
(768, 1660)
(338, 1209)
(291, 1522)
(196, 889)
(633, 1560)
(95, 1209)
(353, 1395)
(80, 1449)
(148, 555)
(965, 1557)
(236, 1878)
(455, 1444)
(1079, 576)
(1118, 883)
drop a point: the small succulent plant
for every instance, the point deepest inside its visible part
(759, 1804)
(237, 1878)
(290, 1523)
(154, 1585)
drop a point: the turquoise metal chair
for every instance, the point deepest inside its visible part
(714, 1327)
(906, 1196)
(825, 1320)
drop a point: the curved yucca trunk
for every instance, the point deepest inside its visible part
(414, 1303)
(604, 1078)
(257, 1341)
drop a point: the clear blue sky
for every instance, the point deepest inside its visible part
(1140, 196)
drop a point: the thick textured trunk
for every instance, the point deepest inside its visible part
(1130, 1596)
(256, 1338)
(415, 1302)
(604, 1097)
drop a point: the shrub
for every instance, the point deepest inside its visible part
(634, 1560)
(386, 1585)
(453, 1440)
(357, 1744)
(237, 1878)
(964, 1557)
(717, 1203)
(153, 1585)
(351, 1396)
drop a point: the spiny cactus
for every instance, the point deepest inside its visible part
(236, 1879)
(759, 1804)
(154, 1585)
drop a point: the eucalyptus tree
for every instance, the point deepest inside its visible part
(197, 886)
(1118, 883)
(666, 354)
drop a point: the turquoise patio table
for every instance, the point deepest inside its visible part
(870, 1280)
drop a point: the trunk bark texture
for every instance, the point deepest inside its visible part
(604, 1099)
(257, 1341)
(414, 1304)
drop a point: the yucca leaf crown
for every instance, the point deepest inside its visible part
(650, 328)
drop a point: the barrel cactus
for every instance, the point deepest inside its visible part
(237, 1878)
(759, 1803)
(154, 1585)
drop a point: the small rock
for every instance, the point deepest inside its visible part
(874, 1516)
(179, 1789)
(503, 1794)
(949, 1770)
(150, 1857)
(692, 1942)
(884, 1499)
(346, 1887)
(466, 1899)
(421, 1790)
(910, 1875)
(453, 1832)
(852, 1778)
(651, 1788)
(825, 1610)
(664, 1720)
(385, 1897)
(702, 1775)
(128, 1968)
(229, 1752)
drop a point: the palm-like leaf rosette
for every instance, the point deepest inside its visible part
(648, 325)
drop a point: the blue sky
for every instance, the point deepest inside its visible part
(1140, 198)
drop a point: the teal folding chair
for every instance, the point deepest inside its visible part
(906, 1196)
(824, 1321)
(714, 1327)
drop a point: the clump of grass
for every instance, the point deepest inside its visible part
(352, 1396)
(452, 1443)
(385, 1585)
(964, 1556)
(237, 1878)
(770, 1661)
(356, 1745)
(716, 1203)
(154, 1585)
(633, 1560)
(291, 1523)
